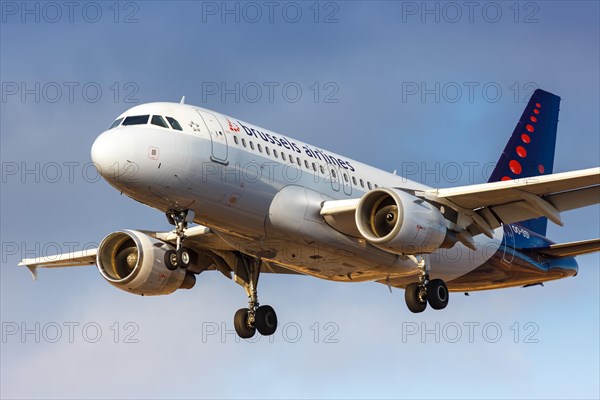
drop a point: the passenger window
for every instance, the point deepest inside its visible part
(306, 164)
(275, 153)
(136, 120)
(235, 139)
(369, 185)
(243, 142)
(354, 180)
(267, 150)
(362, 184)
(333, 175)
(314, 167)
(376, 186)
(174, 124)
(345, 177)
(322, 169)
(116, 123)
(252, 145)
(298, 161)
(259, 147)
(291, 158)
(159, 121)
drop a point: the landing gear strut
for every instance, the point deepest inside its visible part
(434, 292)
(248, 320)
(180, 257)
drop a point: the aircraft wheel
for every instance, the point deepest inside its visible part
(266, 320)
(183, 257)
(413, 299)
(171, 260)
(437, 294)
(240, 322)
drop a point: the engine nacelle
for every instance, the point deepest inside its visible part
(135, 262)
(399, 222)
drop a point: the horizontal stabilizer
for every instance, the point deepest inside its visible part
(570, 249)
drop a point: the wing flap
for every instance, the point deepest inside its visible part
(503, 192)
(565, 201)
(520, 200)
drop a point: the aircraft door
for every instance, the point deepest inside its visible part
(217, 137)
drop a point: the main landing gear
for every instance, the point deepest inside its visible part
(248, 320)
(434, 292)
(180, 257)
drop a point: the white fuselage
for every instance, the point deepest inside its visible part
(261, 192)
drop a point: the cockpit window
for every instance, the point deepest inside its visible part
(136, 120)
(174, 123)
(116, 123)
(160, 121)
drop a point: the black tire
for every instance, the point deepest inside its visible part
(266, 320)
(170, 219)
(183, 257)
(411, 296)
(437, 294)
(171, 260)
(240, 322)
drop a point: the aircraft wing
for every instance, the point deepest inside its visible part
(73, 259)
(517, 200)
(198, 238)
(484, 207)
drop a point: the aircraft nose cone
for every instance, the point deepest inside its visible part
(112, 153)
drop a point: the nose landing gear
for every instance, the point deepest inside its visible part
(180, 257)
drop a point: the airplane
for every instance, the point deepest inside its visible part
(263, 202)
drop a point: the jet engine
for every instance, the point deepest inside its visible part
(400, 223)
(135, 262)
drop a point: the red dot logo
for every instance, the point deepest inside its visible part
(505, 178)
(521, 151)
(529, 128)
(533, 119)
(525, 138)
(536, 111)
(541, 168)
(538, 105)
(515, 167)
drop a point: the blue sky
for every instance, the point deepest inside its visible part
(336, 340)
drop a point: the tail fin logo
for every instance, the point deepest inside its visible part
(530, 150)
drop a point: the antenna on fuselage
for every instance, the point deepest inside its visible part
(182, 100)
